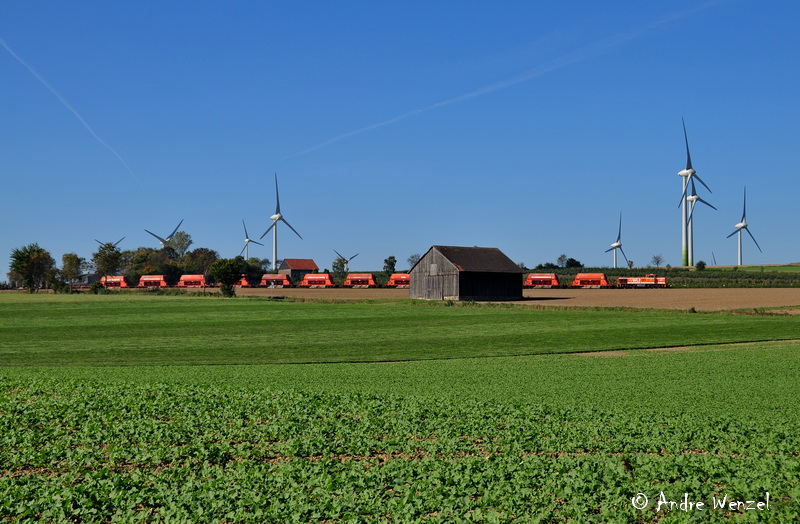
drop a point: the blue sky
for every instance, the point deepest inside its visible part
(527, 126)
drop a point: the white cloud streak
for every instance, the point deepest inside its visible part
(580, 54)
(66, 104)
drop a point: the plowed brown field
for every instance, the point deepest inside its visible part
(700, 299)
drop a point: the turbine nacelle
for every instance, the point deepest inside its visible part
(686, 173)
(615, 245)
(741, 225)
(276, 217)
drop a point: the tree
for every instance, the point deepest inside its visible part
(389, 265)
(571, 262)
(562, 261)
(71, 267)
(180, 242)
(701, 265)
(546, 265)
(522, 266)
(657, 260)
(198, 261)
(338, 268)
(107, 259)
(630, 264)
(227, 272)
(413, 259)
(31, 264)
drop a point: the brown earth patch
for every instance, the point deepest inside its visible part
(715, 299)
(710, 347)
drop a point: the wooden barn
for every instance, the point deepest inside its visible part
(466, 273)
(297, 268)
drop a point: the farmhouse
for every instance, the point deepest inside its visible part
(297, 268)
(465, 273)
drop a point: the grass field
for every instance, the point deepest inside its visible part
(204, 409)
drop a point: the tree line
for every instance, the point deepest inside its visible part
(33, 267)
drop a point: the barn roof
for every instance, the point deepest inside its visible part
(478, 259)
(299, 264)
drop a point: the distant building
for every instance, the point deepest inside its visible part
(297, 268)
(466, 273)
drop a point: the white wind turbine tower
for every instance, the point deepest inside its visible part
(618, 244)
(346, 260)
(687, 174)
(247, 241)
(163, 241)
(693, 199)
(743, 225)
(277, 217)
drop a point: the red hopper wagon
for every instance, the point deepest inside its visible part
(152, 281)
(360, 280)
(275, 280)
(646, 281)
(542, 280)
(590, 280)
(399, 280)
(314, 280)
(192, 281)
(114, 281)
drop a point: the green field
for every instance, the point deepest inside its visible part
(249, 410)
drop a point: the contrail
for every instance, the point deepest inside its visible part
(68, 106)
(582, 53)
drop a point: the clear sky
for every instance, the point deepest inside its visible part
(527, 126)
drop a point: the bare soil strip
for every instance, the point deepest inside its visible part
(707, 347)
(716, 299)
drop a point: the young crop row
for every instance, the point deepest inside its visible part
(154, 452)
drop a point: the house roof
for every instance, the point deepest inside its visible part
(478, 259)
(299, 264)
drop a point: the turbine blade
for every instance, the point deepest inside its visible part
(683, 195)
(290, 227)
(623, 255)
(754, 238)
(706, 203)
(98, 241)
(686, 137)
(609, 249)
(158, 237)
(691, 213)
(242, 251)
(729, 236)
(254, 242)
(245, 230)
(175, 230)
(277, 197)
(118, 241)
(744, 204)
(340, 255)
(619, 233)
(701, 181)
(268, 229)
(351, 258)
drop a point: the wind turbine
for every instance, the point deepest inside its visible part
(163, 241)
(346, 260)
(277, 217)
(114, 244)
(686, 174)
(247, 241)
(743, 225)
(693, 199)
(618, 244)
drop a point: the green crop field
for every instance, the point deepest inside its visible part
(165, 409)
